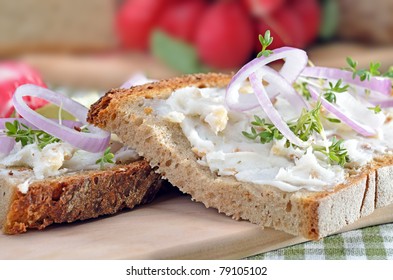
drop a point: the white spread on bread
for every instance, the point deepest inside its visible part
(56, 159)
(215, 134)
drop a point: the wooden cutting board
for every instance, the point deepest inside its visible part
(172, 227)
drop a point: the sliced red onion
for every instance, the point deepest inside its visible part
(377, 84)
(377, 98)
(295, 61)
(8, 143)
(363, 129)
(267, 105)
(95, 141)
(135, 80)
(5, 120)
(67, 123)
(383, 103)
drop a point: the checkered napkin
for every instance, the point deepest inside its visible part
(372, 243)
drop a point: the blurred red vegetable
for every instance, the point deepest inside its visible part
(225, 35)
(135, 20)
(286, 28)
(12, 75)
(263, 7)
(309, 13)
(180, 19)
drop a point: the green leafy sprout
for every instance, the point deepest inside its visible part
(107, 157)
(377, 109)
(25, 135)
(364, 74)
(335, 152)
(266, 132)
(302, 88)
(330, 93)
(309, 122)
(389, 73)
(265, 41)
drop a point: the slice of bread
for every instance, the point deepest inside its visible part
(73, 196)
(306, 213)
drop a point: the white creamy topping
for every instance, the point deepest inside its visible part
(215, 134)
(56, 159)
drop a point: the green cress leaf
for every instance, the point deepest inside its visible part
(302, 89)
(309, 122)
(25, 135)
(107, 157)
(389, 73)
(330, 93)
(377, 109)
(265, 41)
(175, 53)
(364, 74)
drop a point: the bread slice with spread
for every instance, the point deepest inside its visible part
(74, 196)
(185, 129)
(61, 171)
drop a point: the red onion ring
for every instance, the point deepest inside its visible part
(362, 129)
(295, 61)
(95, 141)
(377, 84)
(267, 105)
(8, 143)
(383, 103)
(135, 80)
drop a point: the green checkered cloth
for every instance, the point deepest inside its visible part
(371, 243)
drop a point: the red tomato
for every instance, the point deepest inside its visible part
(12, 75)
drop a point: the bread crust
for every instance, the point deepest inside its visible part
(312, 215)
(80, 196)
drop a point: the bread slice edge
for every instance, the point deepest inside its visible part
(75, 196)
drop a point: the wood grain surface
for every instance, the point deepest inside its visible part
(172, 227)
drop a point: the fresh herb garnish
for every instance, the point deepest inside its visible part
(107, 157)
(25, 135)
(265, 41)
(302, 88)
(266, 132)
(333, 120)
(335, 152)
(330, 93)
(364, 74)
(308, 123)
(377, 109)
(389, 73)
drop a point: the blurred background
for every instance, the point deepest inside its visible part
(98, 44)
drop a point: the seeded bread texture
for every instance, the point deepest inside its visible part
(73, 196)
(312, 215)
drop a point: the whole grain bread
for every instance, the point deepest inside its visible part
(309, 214)
(73, 196)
